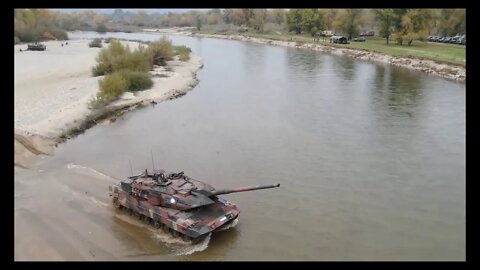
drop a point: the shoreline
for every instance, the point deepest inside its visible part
(441, 69)
(52, 101)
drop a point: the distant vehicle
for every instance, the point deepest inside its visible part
(368, 34)
(327, 33)
(359, 39)
(36, 47)
(338, 40)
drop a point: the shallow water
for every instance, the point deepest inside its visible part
(370, 158)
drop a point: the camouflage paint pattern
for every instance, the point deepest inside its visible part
(177, 203)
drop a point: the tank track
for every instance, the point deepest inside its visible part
(155, 223)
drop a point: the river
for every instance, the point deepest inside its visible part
(370, 158)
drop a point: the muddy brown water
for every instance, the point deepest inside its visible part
(370, 158)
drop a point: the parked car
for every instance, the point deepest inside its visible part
(359, 39)
(338, 39)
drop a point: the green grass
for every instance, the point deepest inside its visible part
(444, 53)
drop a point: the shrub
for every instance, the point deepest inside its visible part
(160, 51)
(101, 28)
(16, 40)
(111, 87)
(58, 33)
(99, 70)
(47, 36)
(134, 61)
(95, 43)
(137, 81)
(117, 57)
(183, 52)
(107, 40)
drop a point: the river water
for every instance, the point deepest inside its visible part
(370, 158)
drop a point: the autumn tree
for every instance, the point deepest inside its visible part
(294, 20)
(414, 25)
(248, 16)
(350, 20)
(237, 17)
(450, 22)
(258, 19)
(331, 19)
(278, 16)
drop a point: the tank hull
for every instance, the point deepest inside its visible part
(193, 224)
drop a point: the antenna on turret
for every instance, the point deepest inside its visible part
(153, 164)
(131, 170)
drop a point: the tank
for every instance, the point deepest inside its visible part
(176, 203)
(36, 47)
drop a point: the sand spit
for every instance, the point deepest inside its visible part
(53, 89)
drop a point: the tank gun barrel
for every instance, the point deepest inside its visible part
(235, 190)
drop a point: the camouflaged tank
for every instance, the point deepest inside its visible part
(174, 202)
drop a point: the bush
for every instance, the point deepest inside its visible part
(95, 43)
(99, 70)
(58, 33)
(160, 51)
(47, 36)
(111, 87)
(137, 81)
(134, 61)
(16, 40)
(101, 28)
(183, 52)
(117, 57)
(107, 40)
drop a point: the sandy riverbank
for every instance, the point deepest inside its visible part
(53, 88)
(448, 71)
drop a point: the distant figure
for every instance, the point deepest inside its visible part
(62, 44)
(21, 50)
(66, 43)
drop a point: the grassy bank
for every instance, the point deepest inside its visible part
(443, 53)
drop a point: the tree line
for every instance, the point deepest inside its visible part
(401, 25)
(36, 24)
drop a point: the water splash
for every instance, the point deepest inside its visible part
(91, 172)
(201, 246)
(231, 225)
(168, 239)
(84, 196)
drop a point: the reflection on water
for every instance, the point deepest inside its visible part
(370, 158)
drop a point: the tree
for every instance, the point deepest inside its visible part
(351, 19)
(199, 23)
(329, 16)
(237, 17)
(385, 19)
(278, 15)
(258, 19)
(312, 21)
(294, 20)
(450, 22)
(248, 15)
(414, 25)
(213, 18)
(101, 28)
(226, 13)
